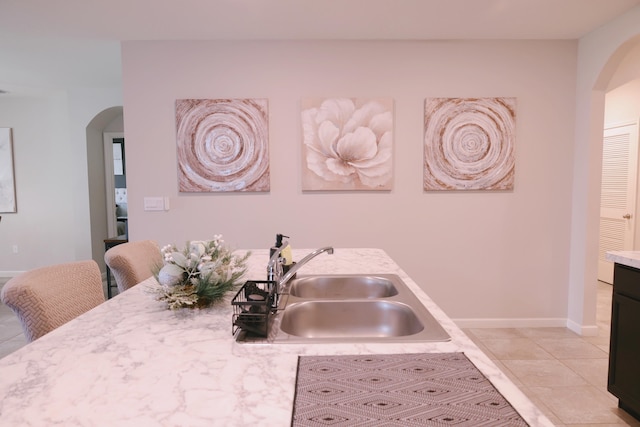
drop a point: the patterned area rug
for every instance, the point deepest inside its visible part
(427, 389)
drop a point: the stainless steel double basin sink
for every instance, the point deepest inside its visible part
(352, 308)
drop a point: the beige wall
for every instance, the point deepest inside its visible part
(627, 70)
(622, 104)
(497, 256)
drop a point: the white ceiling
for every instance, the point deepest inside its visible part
(76, 42)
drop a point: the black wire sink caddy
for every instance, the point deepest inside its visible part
(253, 306)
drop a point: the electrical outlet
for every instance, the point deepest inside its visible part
(15, 249)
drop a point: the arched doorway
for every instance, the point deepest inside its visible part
(619, 225)
(108, 120)
(600, 54)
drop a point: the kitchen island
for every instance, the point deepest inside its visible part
(133, 362)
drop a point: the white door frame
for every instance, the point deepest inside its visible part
(109, 180)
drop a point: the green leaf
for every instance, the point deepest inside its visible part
(179, 259)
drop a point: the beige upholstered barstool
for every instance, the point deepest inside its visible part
(133, 262)
(48, 297)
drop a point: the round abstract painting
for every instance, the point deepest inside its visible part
(469, 143)
(223, 145)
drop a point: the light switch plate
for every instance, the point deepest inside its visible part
(154, 203)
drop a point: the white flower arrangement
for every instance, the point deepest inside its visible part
(199, 275)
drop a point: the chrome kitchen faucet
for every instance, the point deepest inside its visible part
(275, 270)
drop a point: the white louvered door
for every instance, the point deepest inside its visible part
(618, 194)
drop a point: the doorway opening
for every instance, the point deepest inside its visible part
(101, 202)
(618, 203)
(618, 193)
(116, 185)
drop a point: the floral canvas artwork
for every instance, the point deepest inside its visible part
(469, 143)
(7, 179)
(347, 144)
(223, 145)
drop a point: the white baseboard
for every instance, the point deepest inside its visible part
(585, 331)
(511, 323)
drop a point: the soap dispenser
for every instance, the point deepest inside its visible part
(277, 245)
(286, 253)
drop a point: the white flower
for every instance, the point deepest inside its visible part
(345, 143)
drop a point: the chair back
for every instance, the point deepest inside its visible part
(48, 297)
(133, 262)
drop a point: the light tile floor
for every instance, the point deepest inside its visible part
(564, 374)
(11, 336)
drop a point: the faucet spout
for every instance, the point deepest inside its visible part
(283, 280)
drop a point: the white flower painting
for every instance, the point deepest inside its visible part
(7, 180)
(469, 143)
(347, 144)
(223, 145)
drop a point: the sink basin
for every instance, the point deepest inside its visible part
(343, 287)
(354, 319)
(350, 308)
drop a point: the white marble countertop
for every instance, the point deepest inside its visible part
(628, 258)
(133, 362)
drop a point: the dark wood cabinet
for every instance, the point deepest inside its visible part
(624, 350)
